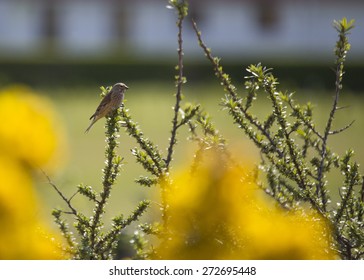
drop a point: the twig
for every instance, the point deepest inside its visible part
(68, 201)
(340, 52)
(304, 120)
(111, 171)
(300, 170)
(180, 81)
(341, 129)
(231, 90)
(152, 150)
(362, 190)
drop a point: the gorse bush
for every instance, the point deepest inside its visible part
(220, 207)
(295, 154)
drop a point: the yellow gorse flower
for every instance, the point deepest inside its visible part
(28, 127)
(29, 139)
(219, 212)
(22, 234)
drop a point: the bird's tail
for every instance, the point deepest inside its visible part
(92, 123)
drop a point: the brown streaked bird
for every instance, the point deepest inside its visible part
(109, 103)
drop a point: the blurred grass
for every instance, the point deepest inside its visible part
(151, 106)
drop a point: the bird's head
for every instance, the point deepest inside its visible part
(120, 86)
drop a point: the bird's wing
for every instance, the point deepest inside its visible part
(102, 105)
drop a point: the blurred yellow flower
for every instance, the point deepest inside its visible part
(29, 139)
(22, 235)
(220, 213)
(16, 194)
(28, 129)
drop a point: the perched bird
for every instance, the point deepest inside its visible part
(109, 103)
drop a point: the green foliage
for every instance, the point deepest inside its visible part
(181, 6)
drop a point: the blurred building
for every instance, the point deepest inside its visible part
(146, 28)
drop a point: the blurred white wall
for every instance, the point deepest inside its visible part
(146, 28)
(20, 26)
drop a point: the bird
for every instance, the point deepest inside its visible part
(109, 103)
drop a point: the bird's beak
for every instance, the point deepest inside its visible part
(126, 87)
